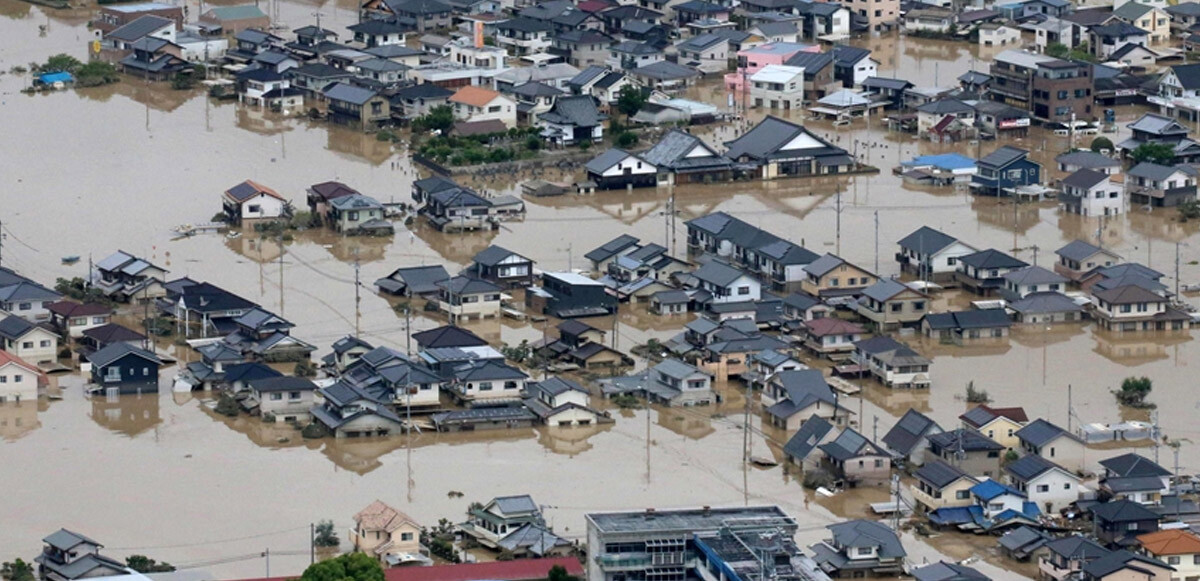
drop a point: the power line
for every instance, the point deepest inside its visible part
(204, 543)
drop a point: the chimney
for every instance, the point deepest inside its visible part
(478, 34)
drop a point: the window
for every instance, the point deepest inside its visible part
(1066, 486)
(253, 208)
(743, 290)
(1131, 526)
(406, 536)
(485, 386)
(3, 379)
(1062, 94)
(1043, 488)
(879, 463)
(864, 550)
(962, 494)
(896, 307)
(112, 374)
(27, 345)
(25, 306)
(98, 320)
(17, 378)
(276, 396)
(293, 395)
(919, 305)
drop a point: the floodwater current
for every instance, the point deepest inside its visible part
(91, 171)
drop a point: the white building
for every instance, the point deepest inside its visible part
(18, 379)
(480, 104)
(28, 341)
(727, 284)
(1091, 193)
(1049, 485)
(993, 34)
(778, 87)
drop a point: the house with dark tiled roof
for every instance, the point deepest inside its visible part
(1124, 564)
(1118, 523)
(683, 158)
(793, 396)
(860, 548)
(892, 363)
(502, 266)
(780, 148)
(828, 336)
(907, 439)
(983, 272)
(1067, 556)
(960, 327)
(1042, 438)
(941, 485)
(1045, 483)
(1133, 307)
(1150, 184)
(889, 304)
(1134, 477)
(67, 556)
(854, 459)
(1079, 258)
(999, 424)
(968, 450)
(813, 432)
(1003, 170)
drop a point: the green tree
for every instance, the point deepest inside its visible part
(627, 139)
(976, 395)
(144, 564)
(440, 118)
(96, 73)
(1160, 153)
(349, 567)
(1057, 50)
(1134, 391)
(326, 535)
(17, 570)
(1188, 210)
(183, 82)
(1081, 53)
(559, 573)
(60, 62)
(1101, 143)
(630, 100)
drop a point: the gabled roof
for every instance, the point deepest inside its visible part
(990, 489)
(1133, 465)
(115, 351)
(718, 273)
(909, 431)
(1123, 511)
(612, 248)
(944, 571)
(576, 110)
(811, 433)
(378, 516)
(851, 444)
(1118, 560)
(769, 138)
(139, 27)
(666, 71)
(1128, 295)
(965, 440)
(1045, 302)
(1041, 432)
(1158, 125)
(1003, 156)
(1031, 466)
(811, 62)
(1118, 29)
(1078, 250)
(1077, 547)
(348, 93)
(1085, 179)
(493, 255)
(885, 289)
(864, 533)
(833, 326)
(1031, 275)
(981, 415)
(991, 258)
(249, 189)
(466, 285)
(940, 474)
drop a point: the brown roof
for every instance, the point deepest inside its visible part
(6, 358)
(1170, 542)
(484, 127)
(74, 309)
(332, 190)
(381, 517)
(832, 326)
(1128, 294)
(474, 96)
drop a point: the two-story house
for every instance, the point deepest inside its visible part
(1021, 283)
(1150, 184)
(1066, 557)
(1134, 477)
(931, 254)
(472, 103)
(1180, 549)
(854, 459)
(999, 424)
(125, 277)
(1042, 438)
(36, 343)
(799, 394)
(1049, 485)
(983, 272)
(1079, 258)
(560, 402)
(889, 304)
(970, 451)
(892, 363)
(999, 173)
(283, 398)
(67, 556)
(522, 36)
(831, 337)
(358, 214)
(501, 516)
(1118, 523)
(1134, 308)
(385, 533)
(1091, 193)
(21, 380)
(907, 440)
(727, 284)
(464, 297)
(860, 548)
(830, 275)
(941, 485)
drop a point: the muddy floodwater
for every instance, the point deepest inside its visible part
(91, 171)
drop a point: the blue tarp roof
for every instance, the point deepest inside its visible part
(943, 161)
(989, 489)
(61, 76)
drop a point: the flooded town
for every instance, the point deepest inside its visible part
(457, 290)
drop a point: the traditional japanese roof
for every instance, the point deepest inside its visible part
(811, 433)
(1171, 542)
(909, 432)
(1118, 560)
(378, 516)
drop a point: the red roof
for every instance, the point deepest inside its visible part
(6, 358)
(515, 570)
(74, 309)
(832, 326)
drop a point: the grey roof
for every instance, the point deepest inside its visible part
(1084, 179)
(811, 62)
(635, 48)
(962, 438)
(66, 540)
(381, 65)
(115, 351)
(323, 71)
(1133, 465)
(461, 285)
(1024, 539)
(666, 71)
(1077, 250)
(493, 255)
(811, 433)
(945, 107)
(13, 327)
(612, 248)
(139, 28)
(940, 474)
(718, 273)
(512, 505)
(676, 369)
(525, 24)
(1118, 29)
(348, 93)
(970, 319)
(864, 533)
(851, 444)
(1184, 9)
(1034, 275)
(419, 279)
(1123, 511)
(391, 51)
(1041, 432)
(1045, 302)
(1031, 466)
(609, 158)
(587, 75)
(1133, 484)
(537, 89)
(577, 109)
(281, 383)
(776, 28)
(1128, 295)
(891, 351)
(1157, 125)
(804, 387)
(943, 571)
(1118, 560)
(824, 264)
(558, 385)
(1003, 156)
(770, 136)
(992, 258)
(909, 431)
(701, 42)
(884, 289)
(671, 149)
(845, 55)
(1152, 171)
(1077, 547)
(886, 83)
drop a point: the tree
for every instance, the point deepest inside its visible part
(1081, 53)
(144, 564)
(532, 143)
(349, 567)
(96, 73)
(1134, 391)
(326, 535)
(183, 82)
(1160, 153)
(1057, 50)
(1188, 210)
(559, 573)
(440, 118)
(60, 63)
(976, 395)
(17, 570)
(627, 139)
(630, 100)
(1101, 144)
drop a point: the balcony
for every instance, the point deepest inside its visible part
(1051, 571)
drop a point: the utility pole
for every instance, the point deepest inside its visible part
(312, 543)
(357, 296)
(746, 430)
(267, 554)
(279, 240)
(876, 241)
(839, 221)
(875, 429)
(1070, 412)
(1177, 276)
(1154, 433)
(2, 251)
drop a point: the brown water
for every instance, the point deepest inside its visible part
(92, 171)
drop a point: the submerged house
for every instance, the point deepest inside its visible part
(1005, 169)
(250, 201)
(683, 158)
(124, 277)
(568, 295)
(121, 368)
(779, 148)
(350, 411)
(671, 382)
